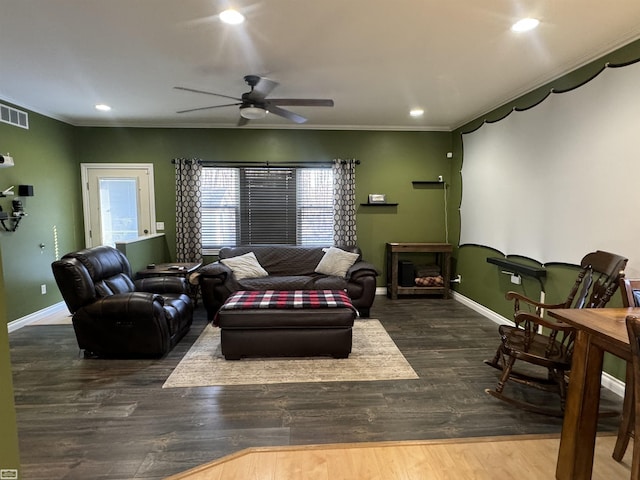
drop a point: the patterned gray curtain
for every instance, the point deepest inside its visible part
(344, 202)
(188, 223)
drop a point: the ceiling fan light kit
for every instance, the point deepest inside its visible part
(231, 17)
(255, 105)
(253, 113)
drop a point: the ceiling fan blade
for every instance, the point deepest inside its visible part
(206, 93)
(207, 108)
(242, 121)
(294, 117)
(262, 88)
(301, 102)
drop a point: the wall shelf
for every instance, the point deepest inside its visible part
(427, 182)
(379, 204)
(13, 222)
(515, 267)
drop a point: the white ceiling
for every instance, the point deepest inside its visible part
(457, 59)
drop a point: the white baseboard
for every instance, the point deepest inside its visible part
(481, 309)
(35, 316)
(612, 383)
(608, 381)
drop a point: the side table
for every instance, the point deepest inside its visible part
(181, 269)
(393, 249)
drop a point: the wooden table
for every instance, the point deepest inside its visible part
(599, 330)
(393, 249)
(175, 268)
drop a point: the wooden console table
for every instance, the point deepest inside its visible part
(444, 253)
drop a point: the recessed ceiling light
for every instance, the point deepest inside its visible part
(102, 107)
(232, 17)
(416, 112)
(525, 25)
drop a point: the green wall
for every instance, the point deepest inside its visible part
(390, 161)
(9, 457)
(44, 157)
(143, 251)
(49, 153)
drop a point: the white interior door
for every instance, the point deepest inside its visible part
(118, 202)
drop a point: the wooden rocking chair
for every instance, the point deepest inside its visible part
(546, 343)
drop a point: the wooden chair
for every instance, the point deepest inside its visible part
(630, 289)
(545, 343)
(633, 328)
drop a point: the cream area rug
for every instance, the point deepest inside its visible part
(373, 356)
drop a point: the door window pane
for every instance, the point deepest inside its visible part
(118, 209)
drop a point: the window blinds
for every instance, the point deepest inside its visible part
(266, 205)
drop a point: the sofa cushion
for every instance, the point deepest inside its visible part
(293, 282)
(273, 282)
(280, 259)
(336, 262)
(245, 266)
(329, 282)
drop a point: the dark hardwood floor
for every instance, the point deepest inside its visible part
(110, 419)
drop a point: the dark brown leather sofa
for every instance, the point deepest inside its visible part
(113, 316)
(290, 267)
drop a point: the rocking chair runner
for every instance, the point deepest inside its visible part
(552, 348)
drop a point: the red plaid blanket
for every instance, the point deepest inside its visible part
(244, 300)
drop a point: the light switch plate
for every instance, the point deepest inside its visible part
(160, 226)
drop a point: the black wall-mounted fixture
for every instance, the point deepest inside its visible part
(18, 209)
(25, 190)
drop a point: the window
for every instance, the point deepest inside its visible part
(119, 207)
(252, 206)
(315, 206)
(220, 202)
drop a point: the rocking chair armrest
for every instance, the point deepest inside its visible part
(557, 325)
(530, 301)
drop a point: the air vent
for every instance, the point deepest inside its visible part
(13, 116)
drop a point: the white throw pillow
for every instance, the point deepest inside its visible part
(245, 266)
(336, 262)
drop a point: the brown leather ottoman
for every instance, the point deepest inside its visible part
(260, 330)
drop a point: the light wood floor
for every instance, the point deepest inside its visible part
(522, 457)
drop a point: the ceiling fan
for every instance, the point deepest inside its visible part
(254, 104)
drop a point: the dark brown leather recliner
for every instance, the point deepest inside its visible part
(113, 316)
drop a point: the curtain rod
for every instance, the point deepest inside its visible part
(211, 163)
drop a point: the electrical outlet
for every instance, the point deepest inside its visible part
(9, 474)
(43, 289)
